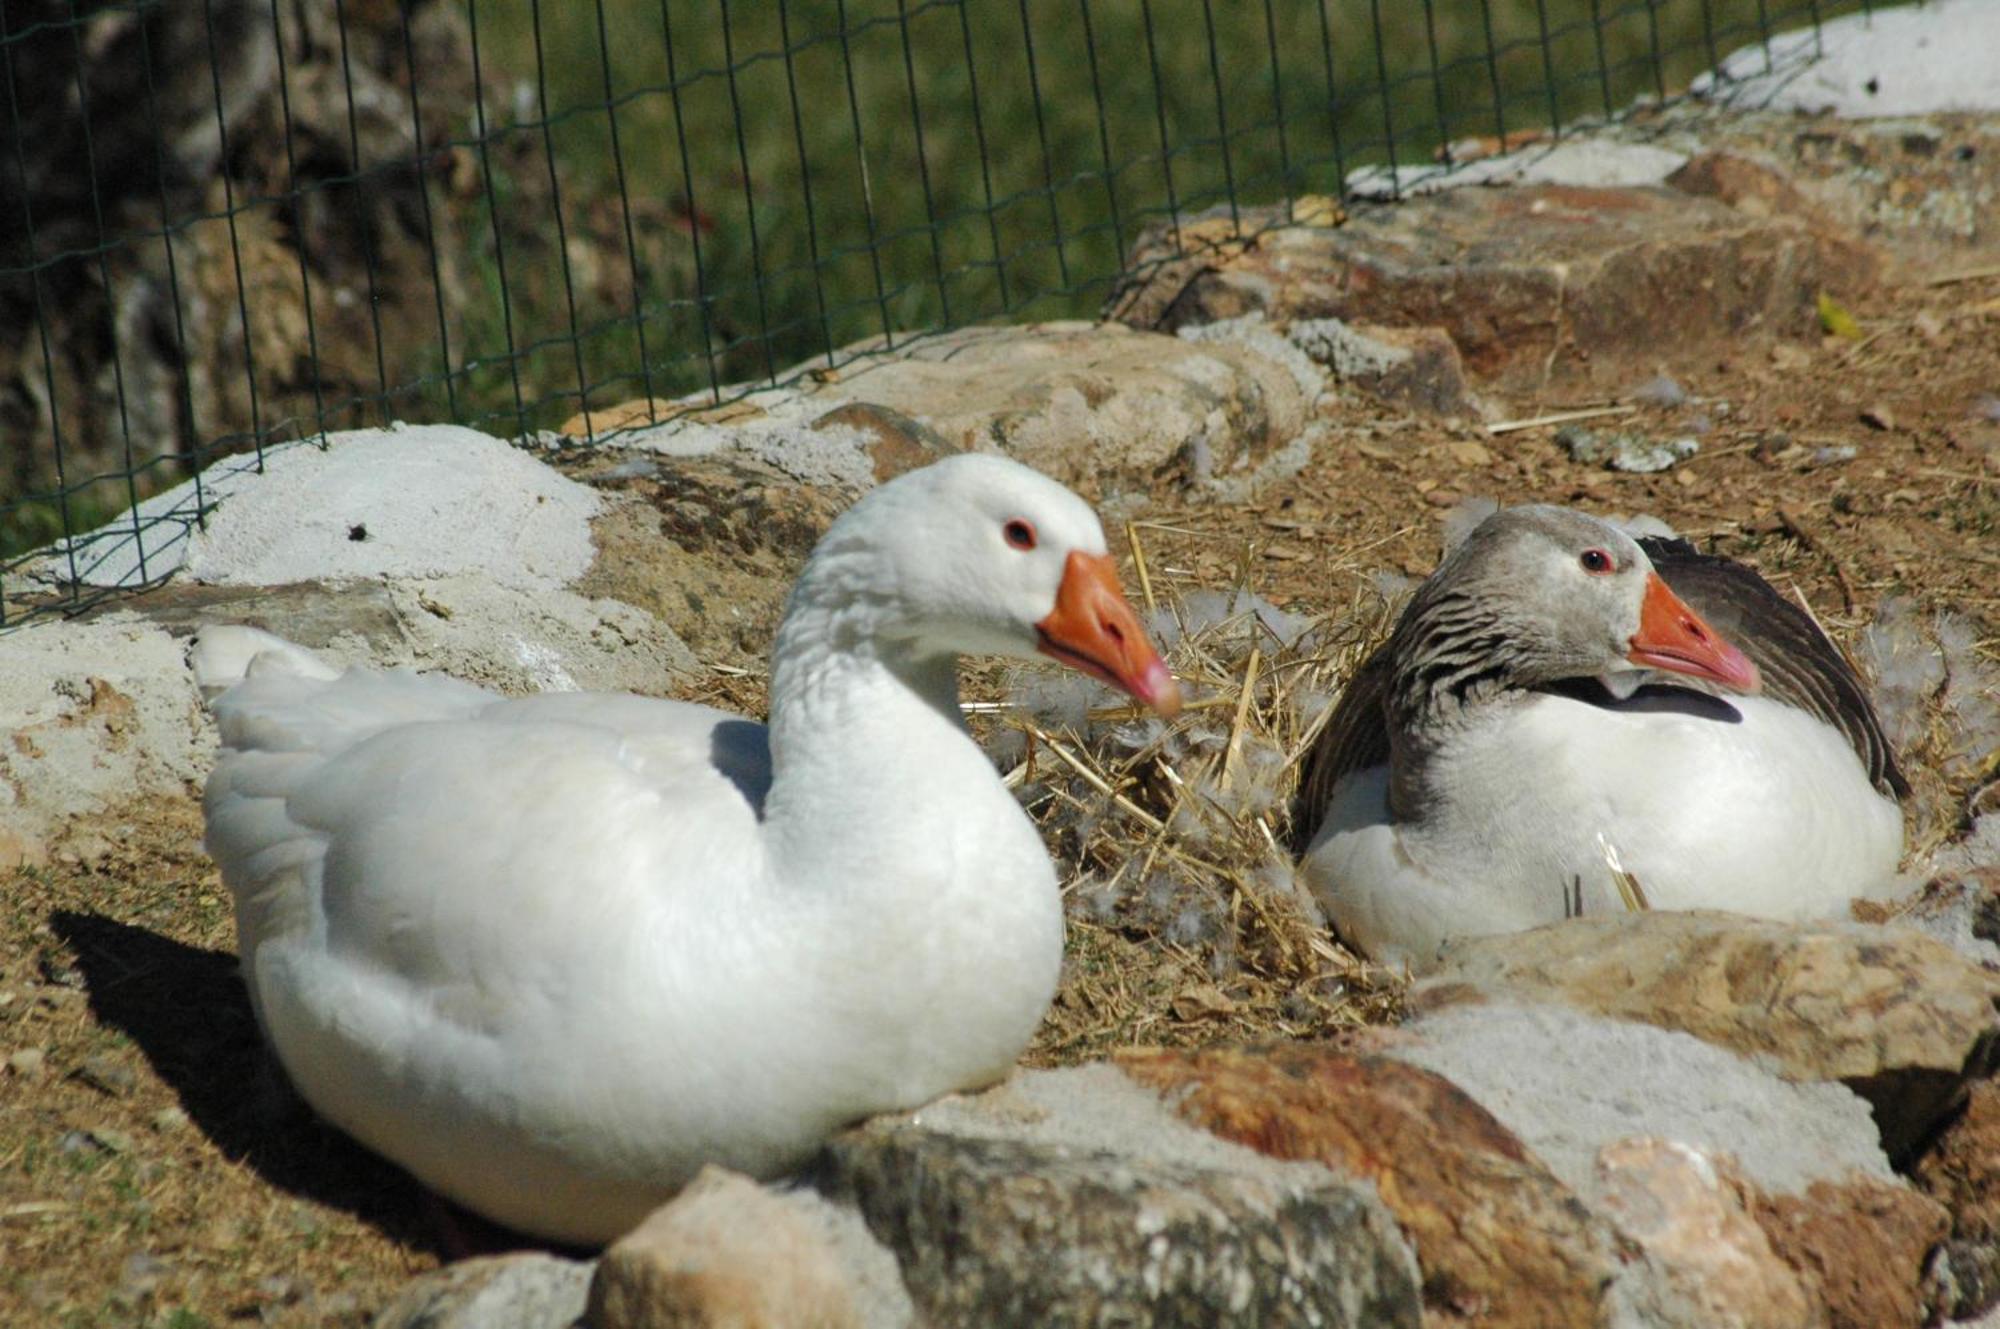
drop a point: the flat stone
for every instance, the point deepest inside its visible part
(710, 546)
(1417, 367)
(1517, 276)
(1075, 1197)
(1567, 1084)
(312, 613)
(527, 1290)
(1499, 1237)
(1901, 1019)
(1089, 404)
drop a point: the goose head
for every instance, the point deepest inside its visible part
(976, 554)
(1548, 595)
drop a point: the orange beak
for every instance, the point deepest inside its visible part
(1672, 636)
(1093, 629)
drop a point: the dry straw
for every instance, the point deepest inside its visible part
(1174, 839)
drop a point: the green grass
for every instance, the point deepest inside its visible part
(727, 258)
(1008, 229)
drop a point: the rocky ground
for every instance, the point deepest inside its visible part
(153, 1170)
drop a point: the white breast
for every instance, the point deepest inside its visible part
(1748, 805)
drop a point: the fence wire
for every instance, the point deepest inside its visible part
(231, 224)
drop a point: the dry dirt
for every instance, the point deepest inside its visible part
(153, 1171)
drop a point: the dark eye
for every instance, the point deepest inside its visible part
(1595, 561)
(1020, 534)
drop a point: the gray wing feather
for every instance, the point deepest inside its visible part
(1799, 664)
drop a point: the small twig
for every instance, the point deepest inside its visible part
(1139, 566)
(1966, 476)
(1854, 349)
(1796, 527)
(1098, 782)
(1557, 418)
(1965, 274)
(1630, 893)
(1232, 756)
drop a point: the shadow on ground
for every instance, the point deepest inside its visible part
(188, 1011)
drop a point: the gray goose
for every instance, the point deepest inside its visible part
(1562, 712)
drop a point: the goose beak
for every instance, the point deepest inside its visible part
(1672, 636)
(1093, 629)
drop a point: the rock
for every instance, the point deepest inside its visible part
(1756, 188)
(724, 1252)
(311, 613)
(1801, 1161)
(1417, 367)
(1516, 276)
(1897, 1017)
(900, 443)
(1962, 1172)
(1092, 405)
(1624, 450)
(1523, 157)
(106, 1074)
(1862, 1245)
(1075, 1197)
(99, 715)
(527, 1290)
(710, 546)
(1960, 909)
(26, 1062)
(1567, 1084)
(1916, 187)
(1499, 1238)
(1678, 1202)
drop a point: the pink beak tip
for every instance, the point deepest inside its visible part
(1158, 688)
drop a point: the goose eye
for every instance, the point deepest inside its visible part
(1020, 534)
(1595, 561)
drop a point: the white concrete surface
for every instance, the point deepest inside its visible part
(1583, 162)
(1910, 60)
(409, 501)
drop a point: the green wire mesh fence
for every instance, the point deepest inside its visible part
(228, 224)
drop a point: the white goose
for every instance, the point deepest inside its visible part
(553, 954)
(1515, 746)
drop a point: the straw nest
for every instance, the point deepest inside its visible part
(1173, 839)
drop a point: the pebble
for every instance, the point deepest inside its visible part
(1659, 390)
(107, 1075)
(27, 1062)
(98, 1139)
(1632, 453)
(169, 1119)
(140, 1274)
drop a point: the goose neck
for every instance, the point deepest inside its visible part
(1453, 661)
(869, 751)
